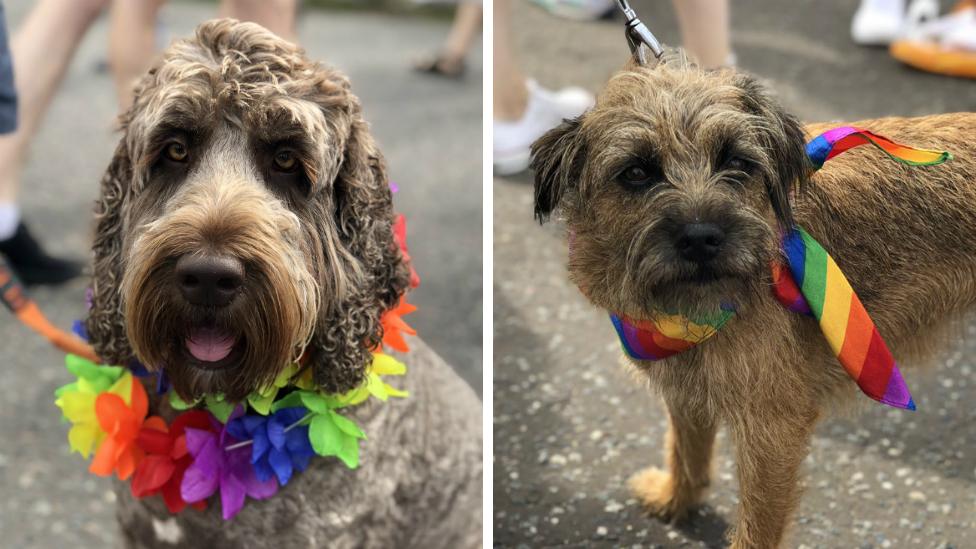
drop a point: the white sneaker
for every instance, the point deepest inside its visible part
(878, 22)
(512, 141)
(579, 10)
(954, 29)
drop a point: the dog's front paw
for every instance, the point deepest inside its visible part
(659, 494)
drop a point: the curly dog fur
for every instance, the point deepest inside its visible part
(714, 147)
(233, 93)
(238, 146)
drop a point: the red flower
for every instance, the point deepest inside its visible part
(166, 458)
(400, 234)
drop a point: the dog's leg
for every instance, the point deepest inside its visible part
(770, 446)
(688, 454)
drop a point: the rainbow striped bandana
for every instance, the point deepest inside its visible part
(811, 284)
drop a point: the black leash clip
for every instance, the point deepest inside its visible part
(638, 35)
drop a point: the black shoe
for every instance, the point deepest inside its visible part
(32, 264)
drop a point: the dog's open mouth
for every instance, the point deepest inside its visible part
(213, 348)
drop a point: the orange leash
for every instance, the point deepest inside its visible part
(12, 295)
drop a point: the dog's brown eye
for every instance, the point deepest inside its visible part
(635, 174)
(639, 176)
(736, 164)
(285, 161)
(177, 152)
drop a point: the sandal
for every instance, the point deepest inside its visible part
(946, 45)
(442, 65)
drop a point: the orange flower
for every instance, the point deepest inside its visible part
(394, 326)
(121, 422)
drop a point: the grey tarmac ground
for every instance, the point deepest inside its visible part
(570, 425)
(430, 132)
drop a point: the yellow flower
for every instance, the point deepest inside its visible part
(77, 403)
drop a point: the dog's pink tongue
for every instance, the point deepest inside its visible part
(209, 344)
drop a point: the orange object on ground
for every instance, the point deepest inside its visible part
(946, 45)
(932, 57)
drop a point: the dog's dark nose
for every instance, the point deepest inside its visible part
(700, 242)
(209, 279)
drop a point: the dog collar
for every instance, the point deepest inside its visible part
(240, 450)
(811, 284)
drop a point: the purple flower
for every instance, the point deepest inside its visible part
(277, 451)
(214, 466)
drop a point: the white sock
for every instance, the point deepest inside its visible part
(9, 219)
(890, 7)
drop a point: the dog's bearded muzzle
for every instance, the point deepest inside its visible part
(217, 291)
(676, 264)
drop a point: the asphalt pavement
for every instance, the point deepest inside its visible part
(428, 128)
(570, 425)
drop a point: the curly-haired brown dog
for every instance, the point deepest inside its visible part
(671, 149)
(245, 220)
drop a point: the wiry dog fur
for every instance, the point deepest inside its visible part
(718, 149)
(320, 266)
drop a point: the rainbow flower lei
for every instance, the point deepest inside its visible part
(240, 450)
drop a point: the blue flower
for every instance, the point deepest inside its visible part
(275, 450)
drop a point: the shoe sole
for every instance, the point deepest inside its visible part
(932, 58)
(511, 164)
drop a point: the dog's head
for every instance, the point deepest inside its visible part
(244, 221)
(674, 187)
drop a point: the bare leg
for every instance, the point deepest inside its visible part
(770, 446)
(132, 44)
(42, 49)
(278, 16)
(511, 95)
(705, 30)
(449, 61)
(466, 25)
(688, 454)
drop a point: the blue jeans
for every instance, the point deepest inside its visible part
(8, 93)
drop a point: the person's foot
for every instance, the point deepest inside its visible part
(579, 10)
(544, 110)
(878, 22)
(32, 264)
(442, 64)
(944, 46)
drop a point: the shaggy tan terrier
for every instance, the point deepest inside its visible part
(671, 149)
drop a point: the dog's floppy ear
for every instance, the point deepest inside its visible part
(364, 271)
(782, 137)
(106, 324)
(557, 159)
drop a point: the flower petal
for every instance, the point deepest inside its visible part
(276, 433)
(263, 470)
(257, 489)
(281, 463)
(198, 483)
(231, 495)
(151, 474)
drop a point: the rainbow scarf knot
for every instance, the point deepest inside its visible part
(808, 282)
(665, 335)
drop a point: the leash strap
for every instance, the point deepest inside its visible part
(14, 297)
